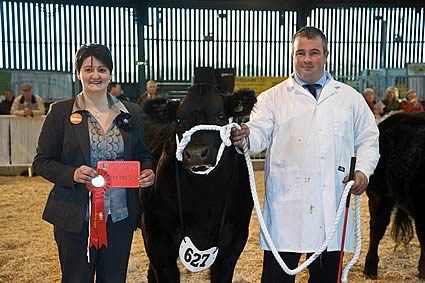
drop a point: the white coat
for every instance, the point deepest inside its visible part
(309, 146)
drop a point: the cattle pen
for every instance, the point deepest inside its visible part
(28, 251)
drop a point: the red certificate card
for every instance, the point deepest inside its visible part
(123, 174)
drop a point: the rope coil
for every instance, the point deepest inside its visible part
(225, 136)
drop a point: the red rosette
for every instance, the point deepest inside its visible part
(105, 186)
(98, 235)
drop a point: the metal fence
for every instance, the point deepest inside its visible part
(371, 38)
(380, 80)
(43, 36)
(254, 42)
(258, 43)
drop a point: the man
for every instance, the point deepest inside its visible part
(150, 93)
(311, 126)
(27, 104)
(115, 90)
(6, 102)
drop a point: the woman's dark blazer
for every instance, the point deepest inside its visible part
(63, 147)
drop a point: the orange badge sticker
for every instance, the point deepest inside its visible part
(76, 118)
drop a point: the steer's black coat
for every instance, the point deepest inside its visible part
(398, 181)
(204, 197)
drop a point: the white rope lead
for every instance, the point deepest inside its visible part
(316, 254)
(88, 238)
(225, 136)
(358, 247)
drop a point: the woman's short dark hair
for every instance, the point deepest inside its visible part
(98, 51)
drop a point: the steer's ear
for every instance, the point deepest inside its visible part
(241, 103)
(161, 109)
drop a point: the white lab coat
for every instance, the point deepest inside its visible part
(309, 146)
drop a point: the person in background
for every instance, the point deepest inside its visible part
(391, 101)
(27, 104)
(150, 93)
(412, 104)
(116, 90)
(369, 95)
(76, 134)
(6, 102)
(311, 126)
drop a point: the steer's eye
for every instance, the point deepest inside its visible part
(221, 120)
(178, 121)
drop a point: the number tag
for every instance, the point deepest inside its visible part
(194, 259)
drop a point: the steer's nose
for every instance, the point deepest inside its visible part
(196, 155)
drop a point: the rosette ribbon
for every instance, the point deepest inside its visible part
(98, 187)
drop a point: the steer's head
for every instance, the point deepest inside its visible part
(204, 105)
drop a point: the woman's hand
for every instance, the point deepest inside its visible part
(84, 174)
(146, 178)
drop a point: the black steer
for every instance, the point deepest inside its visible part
(397, 181)
(214, 210)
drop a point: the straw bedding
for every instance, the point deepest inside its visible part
(28, 251)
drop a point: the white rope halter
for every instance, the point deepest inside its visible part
(225, 136)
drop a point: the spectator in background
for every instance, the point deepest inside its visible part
(369, 95)
(412, 104)
(391, 101)
(116, 90)
(150, 93)
(27, 104)
(6, 102)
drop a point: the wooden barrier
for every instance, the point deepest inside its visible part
(19, 136)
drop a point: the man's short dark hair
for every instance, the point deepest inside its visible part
(98, 51)
(312, 33)
(112, 85)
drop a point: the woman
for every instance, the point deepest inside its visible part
(76, 134)
(412, 104)
(391, 101)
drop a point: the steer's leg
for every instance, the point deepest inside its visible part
(151, 274)
(222, 270)
(380, 215)
(162, 255)
(165, 270)
(420, 232)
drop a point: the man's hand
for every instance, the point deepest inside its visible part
(360, 183)
(27, 112)
(238, 136)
